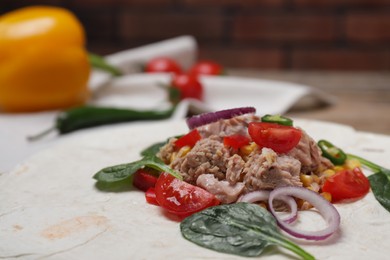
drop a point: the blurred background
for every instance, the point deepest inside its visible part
(341, 35)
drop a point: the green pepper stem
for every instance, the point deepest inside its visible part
(36, 137)
(99, 62)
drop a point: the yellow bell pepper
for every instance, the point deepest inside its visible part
(43, 61)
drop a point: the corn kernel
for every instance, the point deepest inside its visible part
(338, 168)
(316, 179)
(329, 173)
(172, 157)
(352, 164)
(312, 188)
(305, 205)
(300, 203)
(327, 196)
(321, 168)
(183, 151)
(262, 204)
(248, 149)
(306, 180)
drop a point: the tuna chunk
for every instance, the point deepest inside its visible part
(223, 190)
(226, 127)
(208, 156)
(309, 154)
(166, 151)
(267, 170)
(235, 166)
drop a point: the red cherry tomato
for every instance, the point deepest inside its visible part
(163, 64)
(236, 141)
(347, 184)
(278, 137)
(206, 68)
(189, 139)
(188, 86)
(182, 198)
(150, 196)
(144, 179)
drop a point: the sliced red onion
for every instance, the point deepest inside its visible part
(263, 195)
(325, 208)
(207, 118)
(255, 196)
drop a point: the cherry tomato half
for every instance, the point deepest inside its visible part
(188, 86)
(144, 179)
(189, 139)
(182, 198)
(347, 184)
(163, 64)
(236, 141)
(279, 138)
(206, 68)
(150, 196)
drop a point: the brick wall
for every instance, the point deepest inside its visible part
(268, 34)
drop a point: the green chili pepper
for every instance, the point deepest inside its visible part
(333, 153)
(277, 119)
(90, 116)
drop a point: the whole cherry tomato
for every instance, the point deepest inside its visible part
(163, 64)
(206, 68)
(188, 86)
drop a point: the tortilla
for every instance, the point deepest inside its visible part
(51, 209)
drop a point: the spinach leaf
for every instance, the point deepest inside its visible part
(120, 172)
(380, 185)
(153, 149)
(242, 229)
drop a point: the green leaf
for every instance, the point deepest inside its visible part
(121, 172)
(100, 63)
(153, 149)
(242, 229)
(380, 186)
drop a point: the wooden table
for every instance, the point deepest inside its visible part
(362, 98)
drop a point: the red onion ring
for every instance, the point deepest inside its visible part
(325, 208)
(263, 195)
(207, 118)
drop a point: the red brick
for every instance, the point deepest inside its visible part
(289, 27)
(244, 57)
(232, 3)
(341, 59)
(153, 25)
(340, 3)
(368, 27)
